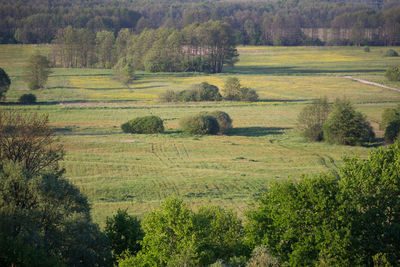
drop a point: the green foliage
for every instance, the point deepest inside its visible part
(27, 99)
(177, 236)
(199, 124)
(50, 217)
(124, 72)
(234, 91)
(393, 73)
(334, 221)
(391, 53)
(261, 256)
(144, 125)
(388, 115)
(346, 126)
(313, 117)
(124, 232)
(223, 119)
(200, 92)
(366, 49)
(37, 71)
(392, 131)
(5, 83)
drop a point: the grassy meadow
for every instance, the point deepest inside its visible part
(136, 172)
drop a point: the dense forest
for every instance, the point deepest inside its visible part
(372, 22)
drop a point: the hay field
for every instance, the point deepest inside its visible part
(117, 170)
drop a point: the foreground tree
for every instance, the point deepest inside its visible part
(312, 118)
(37, 71)
(350, 220)
(44, 220)
(4, 84)
(28, 139)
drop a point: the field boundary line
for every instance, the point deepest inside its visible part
(372, 83)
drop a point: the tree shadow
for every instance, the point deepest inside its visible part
(256, 131)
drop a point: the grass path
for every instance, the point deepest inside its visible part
(372, 83)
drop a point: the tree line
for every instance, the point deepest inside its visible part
(256, 23)
(206, 47)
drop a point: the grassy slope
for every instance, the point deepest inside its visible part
(136, 172)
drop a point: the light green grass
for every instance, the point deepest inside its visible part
(137, 172)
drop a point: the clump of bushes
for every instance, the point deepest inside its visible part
(27, 99)
(341, 125)
(367, 49)
(312, 119)
(144, 125)
(393, 73)
(346, 126)
(391, 53)
(199, 92)
(234, 91)
(199, 124)
(223, 119)
(392, 131)
(207, 123)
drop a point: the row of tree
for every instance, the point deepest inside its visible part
(206, 47)
(257, 23)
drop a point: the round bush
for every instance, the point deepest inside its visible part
(367, 49)
(27, 99)
(199, 124)
(393, 73)
(223, 119)
(392, 131)
(144, 125)
(346, 126)
(391, 53)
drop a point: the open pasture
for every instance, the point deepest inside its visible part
(136, 172)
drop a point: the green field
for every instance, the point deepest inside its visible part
(117, 170)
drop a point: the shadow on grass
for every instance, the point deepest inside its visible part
(290, 70)
(49, 103)
(256, 131)
(285, 100)
(378, 142)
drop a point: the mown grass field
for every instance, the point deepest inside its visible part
(137, 172)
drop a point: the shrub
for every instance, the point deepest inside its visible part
(144, 125)
(313, 117)
(208, 92)
(392, 131)
(346, 126)
(4, 83)
(223, 119)
(391, 53)
(199, 124)
(168, 96)
(388, 115)
(234, 91)
(393, 73)
(27, 99)
(367, 49)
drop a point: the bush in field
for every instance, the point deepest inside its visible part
(392, 131)
(346, 126)
(199, 124)
(223, 119)
(27, 99)
(235, 92)
(208, 92)
(391, 53)
(366, 49)
(200, 92)
(313, 117)
(393, 73)
(37, 71)
(144, 125)
(4, 84)
(388, 115)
